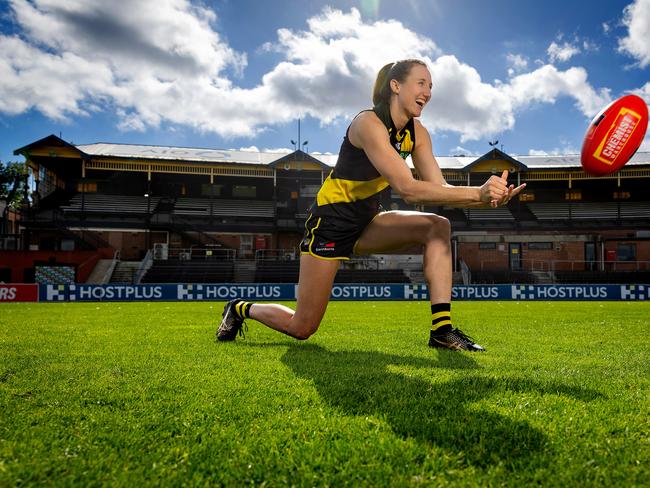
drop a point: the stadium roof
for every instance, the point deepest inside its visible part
(179, 153)
(272, 159)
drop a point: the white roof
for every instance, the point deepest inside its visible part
(259, 157)
(179, 153)
(571, 161)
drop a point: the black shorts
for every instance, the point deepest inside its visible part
(331, 237)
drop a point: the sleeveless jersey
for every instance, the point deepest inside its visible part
(352, 191)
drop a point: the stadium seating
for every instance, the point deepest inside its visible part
(550, 211)
(499, 276)
(190, 271)
(282, 271)
(590, 210)
(118, 204)
(225, 208)
(371, 276)
(635, 210)
(501, 214)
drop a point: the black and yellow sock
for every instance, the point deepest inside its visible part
(243, 309)
(441, 316)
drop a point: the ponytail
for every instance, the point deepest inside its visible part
(381, 95)
(382, 92)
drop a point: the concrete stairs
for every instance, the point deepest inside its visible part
(543, 277)
(125, 272)
(98, 275)
(244, 271)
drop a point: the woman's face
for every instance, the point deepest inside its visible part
(415, 91)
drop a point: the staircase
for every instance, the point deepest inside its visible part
(125, 272)
(101, 270)
(543, 277)
(417, 277)
(244, 271)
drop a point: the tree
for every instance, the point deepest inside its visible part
(14, 179)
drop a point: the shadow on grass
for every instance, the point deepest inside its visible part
(436, 413)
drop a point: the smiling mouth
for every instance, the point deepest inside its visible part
(420, 103)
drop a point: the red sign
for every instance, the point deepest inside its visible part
(617, 137)
(19, 293)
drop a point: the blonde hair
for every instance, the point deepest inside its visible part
(382, 92)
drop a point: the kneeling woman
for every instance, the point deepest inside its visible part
(346, 217)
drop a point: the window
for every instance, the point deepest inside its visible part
(246, 245)
(208, 189)
(487, 245)
(526, 197)
(540, 246)
(67, 245)
(573, 195)
(621, 195)
(87, 187)
(626, 252)
(243, 191)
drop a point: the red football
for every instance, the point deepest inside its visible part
(614, 135)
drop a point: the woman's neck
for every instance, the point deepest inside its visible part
(400, 119)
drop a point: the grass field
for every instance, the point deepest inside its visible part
(128, 394)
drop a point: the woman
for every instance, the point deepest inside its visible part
(346, 217)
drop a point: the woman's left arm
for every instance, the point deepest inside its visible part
(428, 169)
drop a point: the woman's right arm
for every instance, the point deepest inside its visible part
(369, 133)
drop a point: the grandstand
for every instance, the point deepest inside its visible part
(205, 215)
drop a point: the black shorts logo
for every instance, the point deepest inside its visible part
(326, 247)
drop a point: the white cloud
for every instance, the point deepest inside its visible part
(517, 63)
(636, 17)
(463, 103)
(644, 92)
(280, 150)
(176, 70)
(645, 145)
(562, 53)
(54, 84)
(563, 151)
(606, 27)
(547, 83)
(81, 56)
(461, 151)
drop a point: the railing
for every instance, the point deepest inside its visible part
(553, 265)
(465, 272)
(276, 254)
(187, 228)
(10, 242)
(207, 253)
(144, 267)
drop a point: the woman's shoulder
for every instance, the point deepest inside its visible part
(362, 125)
(365, 114)
(365, 118)
(419, 127)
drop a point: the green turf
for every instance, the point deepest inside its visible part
(128, 394)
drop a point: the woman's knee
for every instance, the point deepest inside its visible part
(303, 327)
(438, 228)
(304, 332)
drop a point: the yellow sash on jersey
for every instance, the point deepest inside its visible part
(336, 190)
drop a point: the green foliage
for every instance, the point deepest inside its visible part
(129, 394)
(13, 183)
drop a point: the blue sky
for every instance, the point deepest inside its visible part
(239, 74)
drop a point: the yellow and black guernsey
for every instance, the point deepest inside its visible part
(350, 198)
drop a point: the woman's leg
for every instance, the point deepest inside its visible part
(314, 289)
(391, 231)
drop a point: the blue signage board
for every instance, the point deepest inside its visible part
(287, 292)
